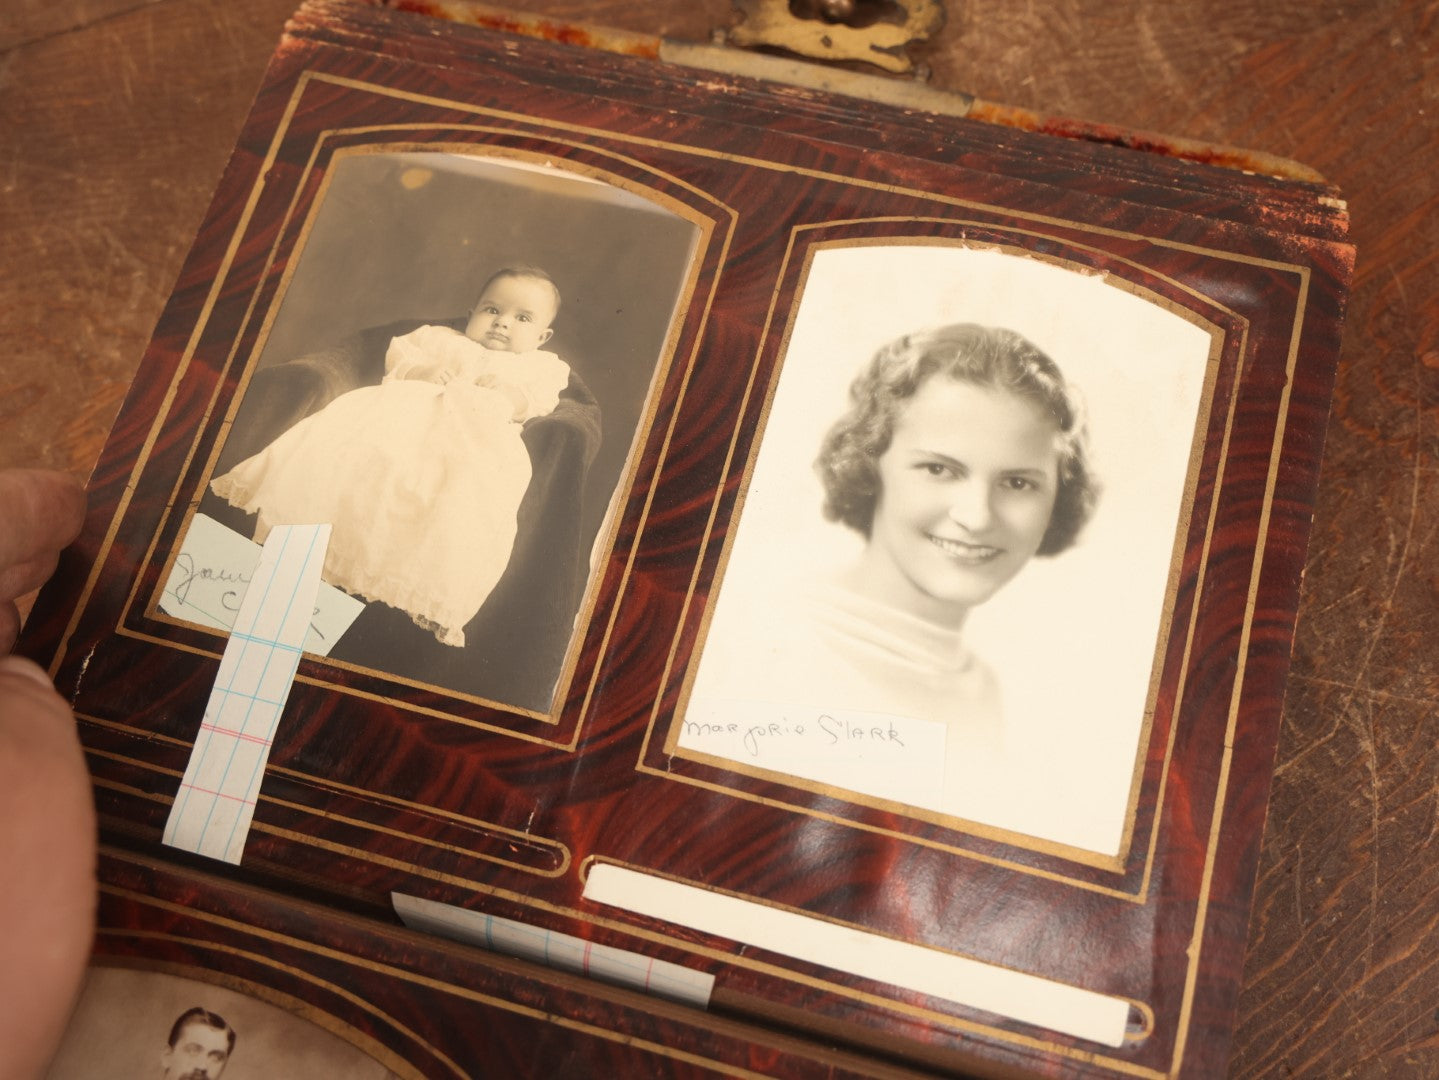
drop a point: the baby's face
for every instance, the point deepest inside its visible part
(513, 314)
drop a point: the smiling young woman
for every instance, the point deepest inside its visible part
(966, 490)
(962, 456)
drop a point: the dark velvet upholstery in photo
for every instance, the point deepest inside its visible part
(516, 643)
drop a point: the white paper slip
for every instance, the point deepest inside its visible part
(211, 571)
(555, 950)
(1016, 994)
(212, 810)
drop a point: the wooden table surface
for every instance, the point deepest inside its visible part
(116, 117)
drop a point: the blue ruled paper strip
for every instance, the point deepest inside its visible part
(213, 809)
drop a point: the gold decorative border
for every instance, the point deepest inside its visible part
(931, 1017)
(1303, 282)
(1196, 941)
(625, 482)
(302, 1010)
(1198, 443)
(420, 982)
(565, 857)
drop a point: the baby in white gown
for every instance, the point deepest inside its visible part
(421, 477)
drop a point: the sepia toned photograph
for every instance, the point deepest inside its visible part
(147, 1024)
(459, 367)
(949, 577)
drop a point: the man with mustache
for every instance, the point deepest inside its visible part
(200, 1046)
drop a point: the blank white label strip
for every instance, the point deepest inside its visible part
(213, 809)
(1015, 994)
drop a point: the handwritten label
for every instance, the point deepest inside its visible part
(892, 757)
(214, 568)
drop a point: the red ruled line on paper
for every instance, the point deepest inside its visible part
(263, 740)
(218, 794)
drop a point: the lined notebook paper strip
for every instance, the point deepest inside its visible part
(213, 809)
(556, 950)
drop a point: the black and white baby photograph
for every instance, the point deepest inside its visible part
(949, 576)
(458, 370)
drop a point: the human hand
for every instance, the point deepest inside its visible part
(47, 849)
(47, 819)
(40, 512)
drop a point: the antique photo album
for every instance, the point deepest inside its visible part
(827, 563)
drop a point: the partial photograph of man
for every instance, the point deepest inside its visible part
(199, 1048)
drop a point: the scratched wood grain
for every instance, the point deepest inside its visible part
(112, 134)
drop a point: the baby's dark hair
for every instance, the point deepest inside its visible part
(988, 356)
(523, 270)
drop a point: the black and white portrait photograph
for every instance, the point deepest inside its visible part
(458, 369)
(152, 1025)
(953, 554)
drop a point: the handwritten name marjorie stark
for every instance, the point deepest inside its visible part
(888, 755)
(823, 731)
